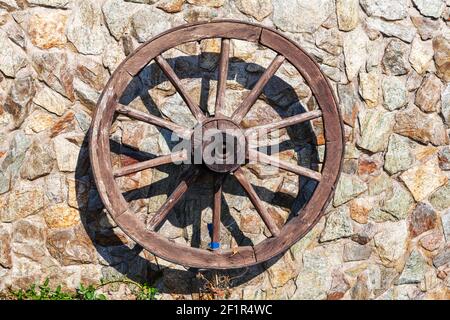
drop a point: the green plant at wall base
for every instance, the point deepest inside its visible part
(88, 293)
(146, 293)
(45, 292)
(42, 292)
(141, 292)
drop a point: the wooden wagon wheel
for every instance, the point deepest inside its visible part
(281, 238)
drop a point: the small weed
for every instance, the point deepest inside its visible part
(45, 292)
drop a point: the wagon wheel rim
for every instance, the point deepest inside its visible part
(242, 256)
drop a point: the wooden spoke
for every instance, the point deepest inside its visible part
(215, 234)
(299, 118)
(264, 158)
(173, 199)
(173, 78)
(223, 74)
(257, 203)
(136, 167)
(149, 118)
(251, 98)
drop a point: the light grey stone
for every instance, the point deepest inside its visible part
(56, 188)
(177, 111)
(348, 187)
(440, 199)
(4, 182)
(355, 51)
(85, 27)
(386, 9)
(375, 52)
(60, 4)
(380, 184)
(445, 101)
(39, 160)
(404, 30)
(399, 203)
(66, 154)
(144, 30)
(390, 242)
(430, 8)
(12, 59)
(394, 92)
(379, 215)
(316, 277)
(301, 15)
(338, 225)
(259, 9)
(356, 252)
(117, 16)
(445, 218)
(375, 128)
(414, 270)
(399, 156)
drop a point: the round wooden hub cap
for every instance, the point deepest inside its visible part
(222, 145)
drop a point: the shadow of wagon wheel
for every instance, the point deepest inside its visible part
(127, 258)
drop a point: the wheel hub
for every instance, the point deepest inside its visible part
(219, 144)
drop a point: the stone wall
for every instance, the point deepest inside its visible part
(386, 234)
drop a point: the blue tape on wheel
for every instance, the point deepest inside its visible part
(214, 245)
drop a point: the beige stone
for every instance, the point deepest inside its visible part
(24, 203)
(258, 9)
(208, 3)
(47, 29)
(51, 101)
(423, 179)
(39, 121)
(369, 86)
(390, 242)
(421, 55)
(355, 51)
(171, 6)
(282, 271)
(347, 14)
(419, 126)
(360, 208)
(61, 216)
(441, 46)
(429, 94)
